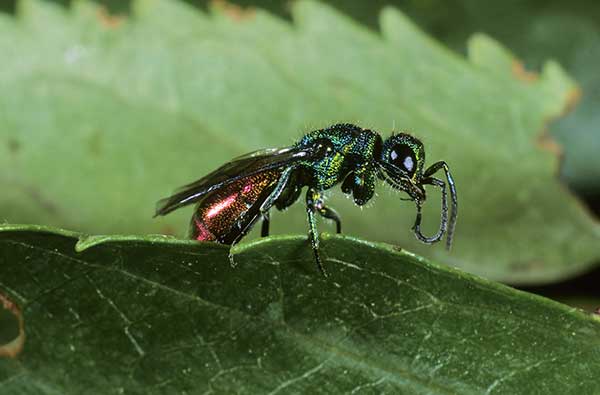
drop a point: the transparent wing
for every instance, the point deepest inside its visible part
(240, 167)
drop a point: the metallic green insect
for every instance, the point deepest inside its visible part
(231, 199)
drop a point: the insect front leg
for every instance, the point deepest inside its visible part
(444, 216)
(451, 184)
(312, 197)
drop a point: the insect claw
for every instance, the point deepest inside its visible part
(231, 260)
(320, 265)
(322, 270)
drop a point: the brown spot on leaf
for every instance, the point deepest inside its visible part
(234, 11)
(168, 230)
(547, 143)
(12, 348)
(519, 71)
(573, 98)
(13, 145)
(544, 140)
(398, 249)
(109, 20)
(95, 143)
(597, 311)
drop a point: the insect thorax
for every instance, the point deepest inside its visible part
(351, 160)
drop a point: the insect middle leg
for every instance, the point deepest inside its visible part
(312, 197)
(329, 213)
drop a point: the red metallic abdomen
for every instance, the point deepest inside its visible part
(225, 213)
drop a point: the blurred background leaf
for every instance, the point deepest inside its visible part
(106, 114)
(533, 29)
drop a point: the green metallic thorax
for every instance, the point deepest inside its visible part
(350, 160)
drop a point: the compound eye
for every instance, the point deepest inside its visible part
(403, 156)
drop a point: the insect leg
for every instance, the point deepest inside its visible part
(454, 209)
(281, 184)
(444, 221)
(312, 197)
(329, 213)
(289, 196)
(264, 229)
(234, 242)
(264, 210)
(240, 236)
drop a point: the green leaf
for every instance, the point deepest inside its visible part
(567, 32)
(104, 116)
(159, 315)
(574, 38)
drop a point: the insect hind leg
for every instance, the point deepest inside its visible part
(264, 229)
(263, 211)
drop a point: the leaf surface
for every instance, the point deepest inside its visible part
(105, 116)
(159, 315)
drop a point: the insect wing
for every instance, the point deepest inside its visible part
(240, 167)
